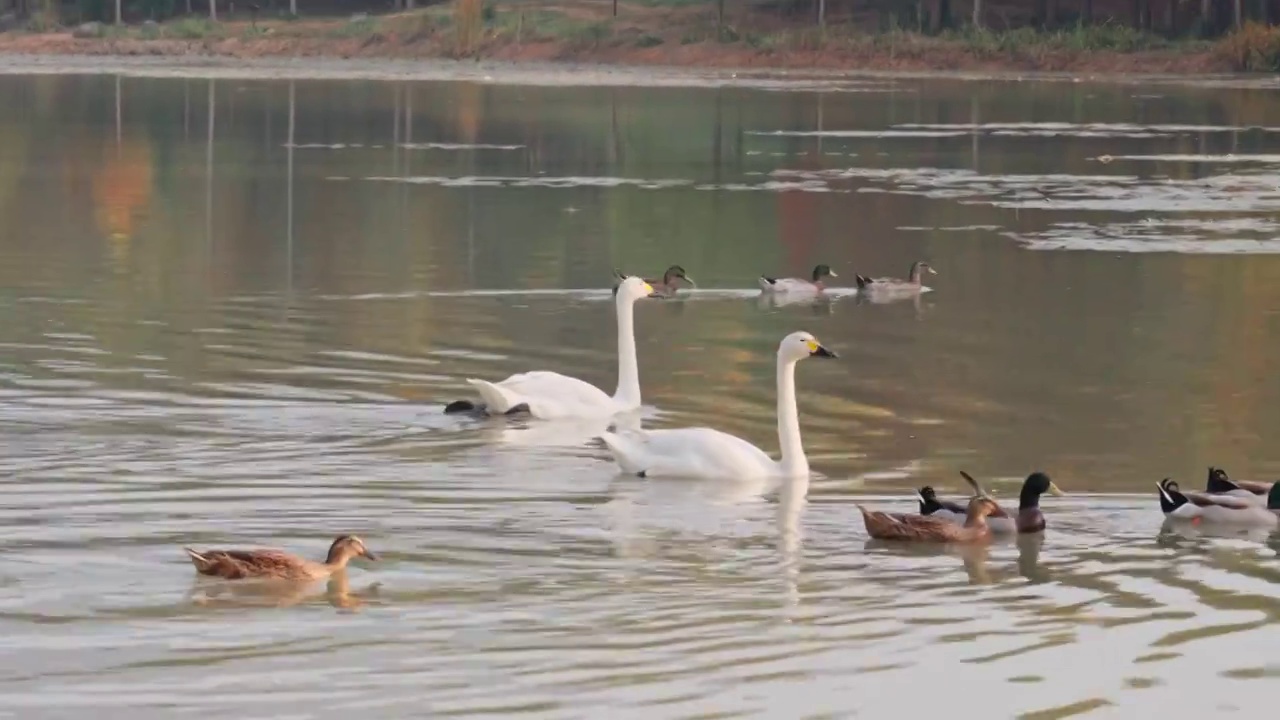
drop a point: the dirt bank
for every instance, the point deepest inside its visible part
(640, 36)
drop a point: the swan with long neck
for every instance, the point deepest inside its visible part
(706, 453)
(550, 395)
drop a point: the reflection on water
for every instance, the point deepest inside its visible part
(231, 311)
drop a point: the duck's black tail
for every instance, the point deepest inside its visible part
(928, 499)
(862, 281)
(1170, 497)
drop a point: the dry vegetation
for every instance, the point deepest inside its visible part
(680, 34)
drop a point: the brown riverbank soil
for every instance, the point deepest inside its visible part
(583, 32)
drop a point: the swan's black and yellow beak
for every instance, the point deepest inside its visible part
(816, 349)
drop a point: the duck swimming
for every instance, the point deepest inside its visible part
(277, 564)
(672, 280)
(797, 285)
(1218, 508)
(896, 285)
(1029, 518)
(921, 528)
(1219, 483)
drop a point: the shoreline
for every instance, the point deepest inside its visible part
(570, 42)
(563, 73)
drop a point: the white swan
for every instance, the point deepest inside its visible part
(706, 453)
(549, 395)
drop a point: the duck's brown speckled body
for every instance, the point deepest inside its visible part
(923, 528)
(277, 564)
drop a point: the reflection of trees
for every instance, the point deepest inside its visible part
(215, 201)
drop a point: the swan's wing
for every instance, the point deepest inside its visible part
(548, 395)
(688, 452)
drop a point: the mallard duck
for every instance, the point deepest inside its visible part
(920, 528)
(1218, 508)
(896, 285)
(277, 564)
(792, 285)
(668, 285)
(1220, 484)
(931, 506)
(1028, 520)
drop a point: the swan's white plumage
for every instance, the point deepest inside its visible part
(689, 452)
(550, 395)
(706, 453)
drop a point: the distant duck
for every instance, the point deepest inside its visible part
(796, 285)
(896, 285)
(1222, 509)
(671, 281)
(277, 564)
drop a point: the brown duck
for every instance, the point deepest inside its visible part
(922, 528)
(277, 564)
(672, 280)
(889, 284)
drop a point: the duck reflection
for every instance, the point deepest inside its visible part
(916, 301)
(215, 593)
(820, 304)
(975, 557)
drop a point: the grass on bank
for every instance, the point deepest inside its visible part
(471, 27)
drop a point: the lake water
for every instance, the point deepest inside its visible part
(231, 311)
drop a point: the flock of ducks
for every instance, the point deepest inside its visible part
(703, 452)
(1239, 503)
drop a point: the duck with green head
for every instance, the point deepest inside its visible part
(672, 280)
(1029, 518)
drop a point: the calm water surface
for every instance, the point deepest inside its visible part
(231, 310)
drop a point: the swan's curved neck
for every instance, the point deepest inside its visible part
(628, 393)
(793, 461)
